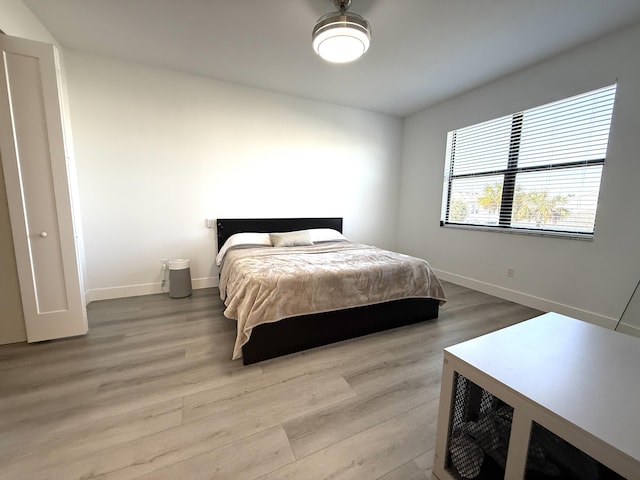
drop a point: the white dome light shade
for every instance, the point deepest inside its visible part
(341, 38)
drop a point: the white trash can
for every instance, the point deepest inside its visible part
(179, 278)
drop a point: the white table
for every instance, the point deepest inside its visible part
(578, 380)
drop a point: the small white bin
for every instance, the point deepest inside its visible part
(179, 278)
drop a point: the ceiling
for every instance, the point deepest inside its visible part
(422, 51)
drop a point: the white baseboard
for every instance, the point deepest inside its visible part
(490, 289)
(629, 329)
(142, 289)
(529, 300)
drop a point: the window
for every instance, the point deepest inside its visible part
(536, 171)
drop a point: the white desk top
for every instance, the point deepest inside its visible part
(586, 374)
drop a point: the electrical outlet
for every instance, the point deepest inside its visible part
(511, 272)
(164, 264)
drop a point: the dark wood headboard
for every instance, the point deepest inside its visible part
(229, 226)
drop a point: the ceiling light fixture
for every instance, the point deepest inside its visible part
(341, 37)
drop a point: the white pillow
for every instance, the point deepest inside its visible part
(244, 239)
(291, 239)
(326, 235)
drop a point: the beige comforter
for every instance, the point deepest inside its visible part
(263, 285)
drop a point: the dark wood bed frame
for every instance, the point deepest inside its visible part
(299, 333)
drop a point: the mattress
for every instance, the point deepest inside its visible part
(266, 284)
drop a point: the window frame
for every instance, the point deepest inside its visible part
(510, 173)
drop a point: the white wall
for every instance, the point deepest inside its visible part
(589, 280)
(17, 20)
(630, 320)
(159, 151)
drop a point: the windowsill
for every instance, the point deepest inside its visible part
(522, 231)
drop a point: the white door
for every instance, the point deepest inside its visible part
(35, 170)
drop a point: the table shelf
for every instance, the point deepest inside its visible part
(549, 398)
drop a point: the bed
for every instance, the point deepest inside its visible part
(285, 328)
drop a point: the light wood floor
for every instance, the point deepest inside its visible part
(151, 393)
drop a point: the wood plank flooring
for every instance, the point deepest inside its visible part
(152, 393)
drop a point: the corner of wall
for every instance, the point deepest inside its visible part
(19, 21)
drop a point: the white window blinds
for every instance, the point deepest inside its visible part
(535, 171)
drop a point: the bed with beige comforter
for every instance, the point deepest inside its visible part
(264, 285)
